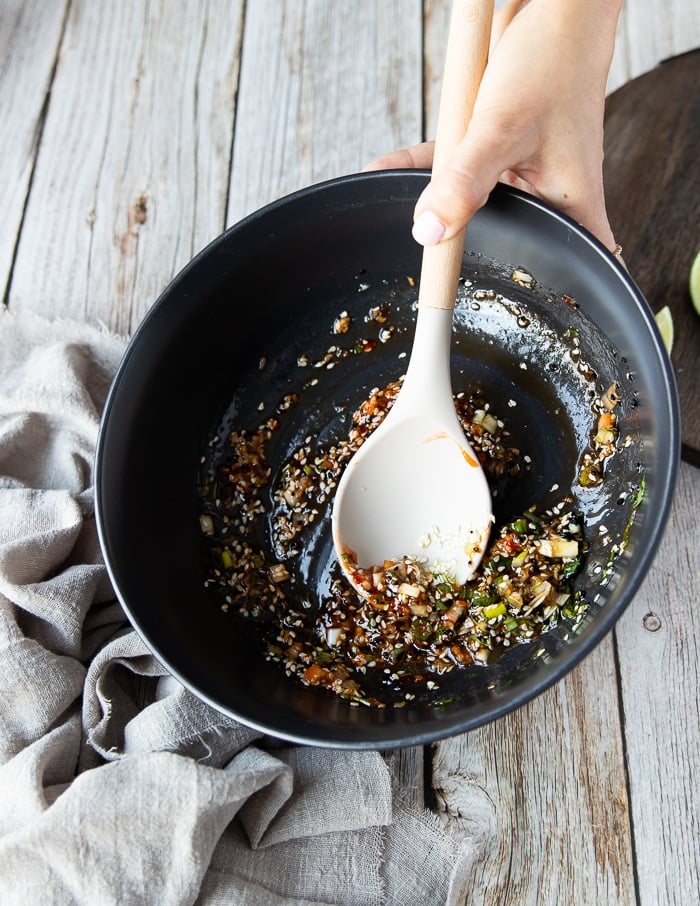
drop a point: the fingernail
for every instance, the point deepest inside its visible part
(427, 229)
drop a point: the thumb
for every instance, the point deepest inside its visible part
(459, 189)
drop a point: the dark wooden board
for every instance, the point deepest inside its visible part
(652, 184)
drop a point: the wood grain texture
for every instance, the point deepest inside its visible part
(30, 33)
(435, 27)
(325, 88)
(130, 173)
(652, 180)
(554, 771)
(657, 648)
(648, 32)
(133, 166)
(562, 830)
(406, 767)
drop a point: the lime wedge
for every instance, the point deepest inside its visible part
(664, 321)
(694, 282)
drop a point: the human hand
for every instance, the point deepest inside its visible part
(537, 122)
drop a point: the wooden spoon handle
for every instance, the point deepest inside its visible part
(465, 61)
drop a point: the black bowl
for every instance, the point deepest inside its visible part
(271, 285)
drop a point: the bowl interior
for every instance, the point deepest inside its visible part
(271, 286)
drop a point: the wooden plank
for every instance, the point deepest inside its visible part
(658, 645)
(30, 33)
(406, 767)
(325, 87)
(436, 26)
(133, 167)
(554, 771)
(650, 31)
(546, 784)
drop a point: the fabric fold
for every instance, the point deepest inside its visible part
(118, 785)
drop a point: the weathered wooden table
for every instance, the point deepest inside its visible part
(132, 132)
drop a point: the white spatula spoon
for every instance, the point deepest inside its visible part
(415, 488)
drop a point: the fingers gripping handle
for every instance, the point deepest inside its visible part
(465, 61)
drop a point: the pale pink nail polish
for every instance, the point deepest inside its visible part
(427, 229)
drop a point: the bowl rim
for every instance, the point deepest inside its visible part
(528, 689)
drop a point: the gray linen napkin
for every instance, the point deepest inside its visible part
(117, 785)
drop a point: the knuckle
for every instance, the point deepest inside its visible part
(457, 194)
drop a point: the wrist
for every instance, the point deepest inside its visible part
(595, 18)
(573, 22)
